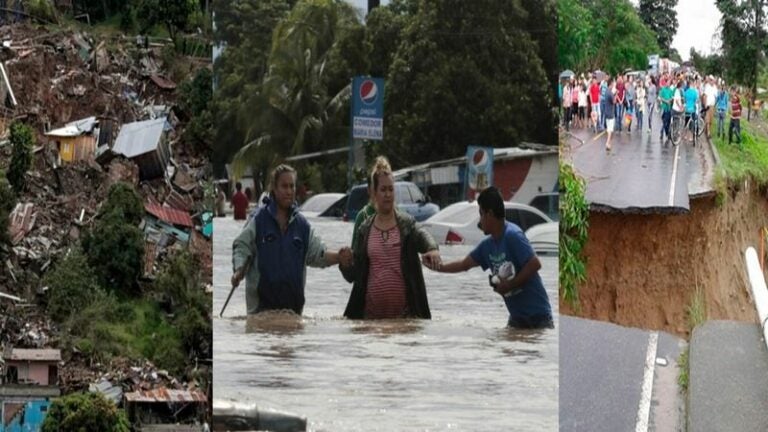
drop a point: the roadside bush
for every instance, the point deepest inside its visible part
(79, 412)
(71, 285)
(22, 142)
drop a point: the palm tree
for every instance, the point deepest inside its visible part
(292, 111)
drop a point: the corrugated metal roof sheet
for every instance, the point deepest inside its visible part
(179, 201)
(162, 395)
(138, 138)
(170, 215)
(34, 354)
(75, 128)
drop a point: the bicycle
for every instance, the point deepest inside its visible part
(676, 127)
(698, 128)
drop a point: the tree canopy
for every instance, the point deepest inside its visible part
(603, 34)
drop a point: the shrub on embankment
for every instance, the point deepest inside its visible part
(574, 215)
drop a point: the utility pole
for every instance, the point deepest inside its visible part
(372, 4)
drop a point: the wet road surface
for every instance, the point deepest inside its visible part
(641, 174)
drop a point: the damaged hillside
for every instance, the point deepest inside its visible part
(105, 249)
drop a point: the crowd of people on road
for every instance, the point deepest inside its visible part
(609, 105)
(384, 261)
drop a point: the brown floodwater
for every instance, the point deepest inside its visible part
(462, 370)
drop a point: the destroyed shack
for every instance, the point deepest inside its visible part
(165, 409)
(146, 144)
(79, 140)
(165, 229)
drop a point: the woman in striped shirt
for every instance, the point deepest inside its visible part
(385, 270)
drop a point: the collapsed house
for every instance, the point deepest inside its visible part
(163, 409)
(146, 144)
(80, 139)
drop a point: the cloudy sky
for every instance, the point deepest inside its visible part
(698, 21)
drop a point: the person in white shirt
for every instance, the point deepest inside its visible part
(710, 91)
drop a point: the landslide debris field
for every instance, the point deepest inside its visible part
(61, 76)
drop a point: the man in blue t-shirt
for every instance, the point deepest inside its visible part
(506, 244)
(691, 96)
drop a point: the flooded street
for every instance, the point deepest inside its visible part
(462, 370)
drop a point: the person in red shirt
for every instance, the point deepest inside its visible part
(735, 116)
(594, 99)
(239, 202)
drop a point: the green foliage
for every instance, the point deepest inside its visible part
(195, 98)
(7, 204)
(44, 10)
(574, 221)
(745, 161)
(122, 199)
(71, 286)
(295, 108)
(115, 249)
(128, 22)
(173, 14)
(696, 311)
(22, 142)
(603, 34)
(384, 34)
(684, 367)
(445, 46)
(179, 284)
(80, 412)
(661, 18)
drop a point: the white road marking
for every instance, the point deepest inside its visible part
(674, 178)
(644, 409)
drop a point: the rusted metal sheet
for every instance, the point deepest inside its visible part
(163, 395)
(167, 214)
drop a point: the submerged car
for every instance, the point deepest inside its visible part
(544, 238)
(408, 198)
(317, 204)
(457, 223)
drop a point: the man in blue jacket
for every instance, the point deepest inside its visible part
(275, 248)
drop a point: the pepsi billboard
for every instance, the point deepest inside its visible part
(368, 108)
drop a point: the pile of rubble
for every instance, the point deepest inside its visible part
(93, 92)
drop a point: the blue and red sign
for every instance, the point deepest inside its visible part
(368, 108)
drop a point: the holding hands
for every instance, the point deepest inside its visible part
(345, 257)
(432, 260)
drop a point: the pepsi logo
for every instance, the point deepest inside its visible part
(369, 92)
(480, 157)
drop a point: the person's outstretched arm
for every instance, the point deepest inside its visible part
(458, 265)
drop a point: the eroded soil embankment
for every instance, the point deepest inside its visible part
(643, 270)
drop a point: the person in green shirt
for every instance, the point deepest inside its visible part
(665, 96)
(381, 164)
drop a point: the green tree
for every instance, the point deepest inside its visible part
(245, 28)
(447, 45)
(173, 14)
(743, 35)
(71, 286)
(295, 112)
(180, 285)
(22, 142)
(660, 16)
(194, 99)
(79, 412)
(115, 245)
(7, 204)
(123, 200)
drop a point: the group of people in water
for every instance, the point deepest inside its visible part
(384, 262)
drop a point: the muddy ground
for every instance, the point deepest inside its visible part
(643, 270)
